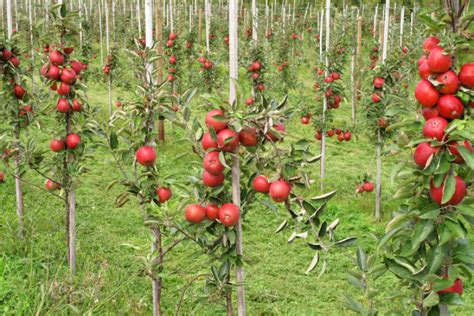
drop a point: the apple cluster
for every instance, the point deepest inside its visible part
(367, 186)
(206, 64)
(279, 190)
(436, 92)
(341, 135)
(255, 72)
(109, 65)
(63, 74)
(333, 100)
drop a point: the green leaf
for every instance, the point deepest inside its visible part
(467, 156)
(355, 306)
(361, 258)
(313, 263)
(315, 246)
(455, 228)
(113, 141)
(63, 10)
(431, 300)
(421, 231)
(324, 197)
(346, 242)
(448, 189)
(281, 226)
(322, 229)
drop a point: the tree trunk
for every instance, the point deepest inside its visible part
(378, 189)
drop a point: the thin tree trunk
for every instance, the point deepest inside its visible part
(156, 282)
(378, 188)
(354, 87)
(159, 62)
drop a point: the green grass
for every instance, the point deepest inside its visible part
(34, 276)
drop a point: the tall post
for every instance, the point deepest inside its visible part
(233, 76)
(107, 39)
(208, 25)
(378, 189)
(402, 23)
(254, 22)
(139, 19)
(159, 62)
(375, 20)
(100, 35)
(325, 100)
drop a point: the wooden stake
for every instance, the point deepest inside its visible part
(325, 101)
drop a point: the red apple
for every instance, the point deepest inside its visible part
(146, 156)
(72, 140)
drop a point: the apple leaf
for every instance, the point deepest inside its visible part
(448, 188)
(346, 242)
(467, 156)
(281, 226)
(313, 263)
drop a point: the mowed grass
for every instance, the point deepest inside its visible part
(34, 275)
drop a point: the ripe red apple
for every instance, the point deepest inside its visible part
(449, 81)
(227, 140)
(207, 142)
(450, 106)
(146, 156)
(305, 119)
(340, 137)
(279, 127)
(76, 66)
(63, 105)
(76, 106)
(438, 60)
(212, 211)
(57, 145)
(375, 97)
(68, 76)
(6, 54)
(164, 194)
(330, 133)
(217, 123)
(466, 75)
(359, 188)
(2, 177)
(318, 135)
(426, 93)
(249, 101)
(51, 185)
(256, 66)
(457, 287)
(19, 91)
(54, 72)
(229, 214)
(72, 140)
(423, 153)
(195, 213)
(68, 50)
(172, 36)
(328, 79)
(212, 163)
(172, 59)
(118, 104)
(368, 186)
(169, 43)
(336, 76)
(64, 89)
(378, 82)
(424, 70)
(56, 58)
(248, 137)
(347, 136)
(202, 60)
(15, 61)
(261, 184)
(211, 180)
(434, 128)
(430, 43)
(280, 190)
(430, 112)
(436, 193)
